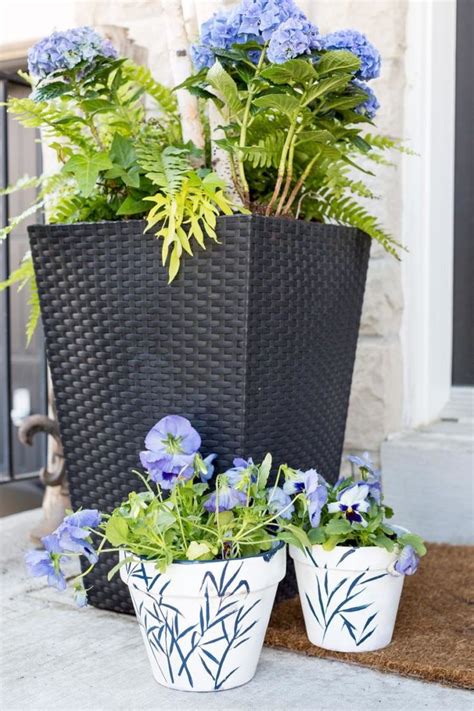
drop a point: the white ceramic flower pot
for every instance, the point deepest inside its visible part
(349, 596)
(203, 623)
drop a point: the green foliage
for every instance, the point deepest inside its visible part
(20, 277)
(295, 138)
(334, 527)
(187, 206)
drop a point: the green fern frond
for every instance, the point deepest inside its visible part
(385, 143)
(345, 211)
(22, 183)
(21, 277)
(266, 152)
(167, 169)
(57, 121)
(15, 221)
(142, 76)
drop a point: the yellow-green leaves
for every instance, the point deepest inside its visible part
(22, 276)
(187, 207)
(201, 550)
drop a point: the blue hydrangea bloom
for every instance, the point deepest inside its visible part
(47, 562)
(358, 44)
(278, 501)
(171, 445)
(295, 37)
(407, 563)
(256, 20)
(225, 499)
(370, 106)
(64, 50)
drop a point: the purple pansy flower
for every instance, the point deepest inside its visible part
(171, 445)
(209, 467)
(352, 501)
(47, 563)
(295, 482)
(73, 534)
(358, 44)
(225, 499)
(407, 563)
(278, 502)
(370, 475)
(239, 472)
(316, 496)
(64, 50)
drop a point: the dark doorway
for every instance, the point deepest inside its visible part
(463, 321)
(22, 369)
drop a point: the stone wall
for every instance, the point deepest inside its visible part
(377, 392)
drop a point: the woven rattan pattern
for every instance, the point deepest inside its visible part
(254, 342)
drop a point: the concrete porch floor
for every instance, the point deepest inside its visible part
(55, 657)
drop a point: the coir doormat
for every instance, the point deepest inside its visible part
(433, 637)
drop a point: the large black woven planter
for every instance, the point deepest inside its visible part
(254, 342)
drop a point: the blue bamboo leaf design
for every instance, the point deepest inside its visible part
(344, 556)
(366, 636)
(377, 577)
(312, 609)
(211, 656)
(350, 628)
(357, 609)
(338, 586)
(322, 607)
(221, 683)
(368, 621)
(207, 668)
(326, 583)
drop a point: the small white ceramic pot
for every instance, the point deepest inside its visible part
(349, 596)
(203, 623)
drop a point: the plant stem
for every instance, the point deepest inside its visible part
(299, 184)
(243, 131)
(282, 165)
(289, 176)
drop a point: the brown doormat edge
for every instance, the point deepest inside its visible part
(433, 635)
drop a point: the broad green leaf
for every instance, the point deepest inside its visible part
(223, 83)
(337, 526)
(411, 539)
(200, 551)
(86, 170)
(50, 91)
(264, 471)
(337, 60)
(325, 86)
(132, 206)
(116, 530)
(285, 103)
(122, 151)
(380, 539)
(299, 71)
(316, 536)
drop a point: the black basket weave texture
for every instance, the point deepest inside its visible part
(254, 342)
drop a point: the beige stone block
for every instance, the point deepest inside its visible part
(383, 299)
(376, 397)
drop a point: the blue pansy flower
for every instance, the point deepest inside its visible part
(73, 534)
(225, 498)
(295, 482)
(358, 44)
(278, 502)
(171, 445)
(209, 467)
(352, 501)
(240, 473)
(48, 562)
(407, 563)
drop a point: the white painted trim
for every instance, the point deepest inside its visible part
(427, 208)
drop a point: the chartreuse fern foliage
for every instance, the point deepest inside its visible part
(297, 134)
(187, 206)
